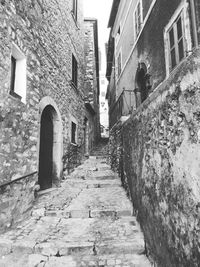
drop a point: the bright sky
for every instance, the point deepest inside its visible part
(99, 9)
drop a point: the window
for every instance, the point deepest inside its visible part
(74, 9)
(117, 35)
(73, 132)
(176, 42)
(18, 74)
(138, 19)
(119, 64)
(74, 71)
(177, 37)
(13, 71)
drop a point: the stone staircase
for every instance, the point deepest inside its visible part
(101, 149)
(86, 222)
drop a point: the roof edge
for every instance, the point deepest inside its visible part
(113, 13)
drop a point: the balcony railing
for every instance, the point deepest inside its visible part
(122, 107)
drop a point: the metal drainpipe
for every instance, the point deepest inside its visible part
(194, 26)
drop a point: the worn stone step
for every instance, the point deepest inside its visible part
(96, 157)
(64, 248)
(101, 199)
(72, 248)
(33, 260)
(94, 183)
(87, 213)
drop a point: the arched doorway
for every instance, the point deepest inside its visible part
(142, 84)
(50, 145)
(46, 149)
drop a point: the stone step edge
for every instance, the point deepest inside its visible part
(91, 260)
(95, 185)
(70, 248)
(82, 213)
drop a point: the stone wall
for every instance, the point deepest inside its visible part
(159, 164)
(91, 85)
(16, 201)
(47, 33)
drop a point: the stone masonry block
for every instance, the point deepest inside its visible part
(5, 247)
(79, 214)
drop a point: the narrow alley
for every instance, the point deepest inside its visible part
(86, 222)
(99, 133)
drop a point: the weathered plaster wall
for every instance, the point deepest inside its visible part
(150, 46)
(157, 152)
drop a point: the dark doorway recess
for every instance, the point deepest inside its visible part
(46, 149)
(143, 85)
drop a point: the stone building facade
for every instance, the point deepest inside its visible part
(42, 98)
(104, 106)
(92, 86)
(154, 63)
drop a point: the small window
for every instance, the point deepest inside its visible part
(74, 71)
(138, 19)
(119, 64)
(176, 43)
(117, 35)
(73, 132)
(74, 10)
(18, 74)
(119, 30)
(13, 72)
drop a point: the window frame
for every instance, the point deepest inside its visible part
(73, 133)
(177, 41)
(118, 34)
(119, 66)
(13, 74)
(183, 12)
(74, 71)
(137, 24)
(75, 9)
(18, 74)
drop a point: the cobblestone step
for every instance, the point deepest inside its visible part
(93, 183)
(112, 260)
(73, 248)
(86, 222)
(81, 213)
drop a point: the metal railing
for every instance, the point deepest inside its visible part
(122, 107)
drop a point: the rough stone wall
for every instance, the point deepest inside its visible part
(16, 201)
(47, 34)
(160, 157)
(91, 85)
